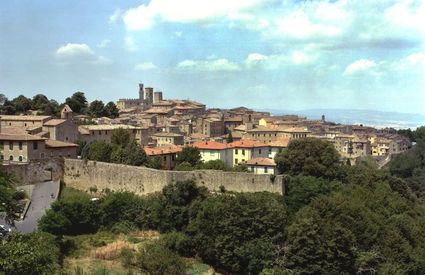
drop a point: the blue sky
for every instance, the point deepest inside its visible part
(273, 54)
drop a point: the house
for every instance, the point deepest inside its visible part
(262, 166)
(167, 155)
(61, 129)
(246, 149)
(165, 138)
(212, 150)
(277, 146)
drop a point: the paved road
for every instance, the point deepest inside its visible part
(40, 201)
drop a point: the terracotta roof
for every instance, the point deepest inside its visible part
(106, 127)
(162, 150)
(263, 129)
(246, 143)
(20, 137)
(24, 118)
(59, 144)
(261, 162)
(294, 130)
(54, 122)
(209, 145)
(283, 142)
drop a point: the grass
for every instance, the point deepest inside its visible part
(100, 254)
(69, 192)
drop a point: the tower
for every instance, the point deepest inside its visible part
(66, 112)
(149, 95)
(141, 94)
(157, 97)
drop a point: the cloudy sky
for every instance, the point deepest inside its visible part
(259, 53)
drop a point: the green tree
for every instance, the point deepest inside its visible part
(22, 104)
(191, 155)
(309, 157)
(39, 101)
(215, 165)
(100, 151)
(154, 162)
(51, 108)
(184, 166)
(32, 254)
(238, 232)
(111, 110)
(120, 137)
(77, 102)
(97, 109)
(155, 259)
(135, 154)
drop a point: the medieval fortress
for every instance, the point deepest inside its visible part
(147, 97)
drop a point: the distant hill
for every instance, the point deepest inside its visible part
(373, 118)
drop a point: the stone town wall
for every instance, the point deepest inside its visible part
(83, 175)
(35, 171)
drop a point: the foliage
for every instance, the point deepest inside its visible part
(100, 151)
(120, 137)
(217, 164)
(238, 232)
(191, 155)
(179, 242)
(77, 102)
(22, 104)
(308, 157)
(35, 253)
(97, 108)
(8, 196)
(240, 168)
(111, 110)
(184, 166)
(154, 162)
(156, 259)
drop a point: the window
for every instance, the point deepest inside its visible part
(100, 132)
(42, 155)
(236, 151)
(1, 157)
(69, 154)
(35, 145)
(10, 145)
(20, 145)
(25, 124)
(236, 161)
(243, 152)
(20, 158)
(259, 151)
(265, 169)
(11, 158)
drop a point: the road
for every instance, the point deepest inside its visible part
(41, 200)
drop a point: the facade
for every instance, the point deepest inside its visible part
(168, 139)
(23, 122)
(61, 130)
(90, 133)
(246, 149)
(262, 166)
(166, 155)
(212, 150)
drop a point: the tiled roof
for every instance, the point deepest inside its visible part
(24, 118)
(246, 143)
(261, 162)
(59, 144)
(209, 145)
(54, 122)
(165, 134)
(162, 150)
(19, 137)
(283, 142)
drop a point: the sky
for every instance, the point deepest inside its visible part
(263, 54)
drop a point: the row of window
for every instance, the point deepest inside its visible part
(34, 145)
(20, 158)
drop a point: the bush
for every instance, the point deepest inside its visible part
(179, 242)
(156, 259)
(128, 257)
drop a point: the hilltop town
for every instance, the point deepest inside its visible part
(162, 127)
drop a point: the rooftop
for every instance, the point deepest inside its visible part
(59, 144)
(209, 145)
(162, 150)
(19, 137)
(246, 143)
(261, 162)
(54, 122)
(24, 118)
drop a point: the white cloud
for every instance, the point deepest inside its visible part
(276, 61)
(145, 16)
(79, 53)
(115, 16)
(208, 65)
(359, 66)
(130, 44)
(147, 66)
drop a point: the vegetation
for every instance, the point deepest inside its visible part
(9, 196)
(334, 219)
(44, 106)
(122, 149)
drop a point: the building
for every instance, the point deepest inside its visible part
(164, 138)
(90, 133)
(246, 149)
(166, 155)
(277, 146)
(25, 147)
(262, 166)
(139, 103)
(212, 150)
(61, 130)
(23, 122)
